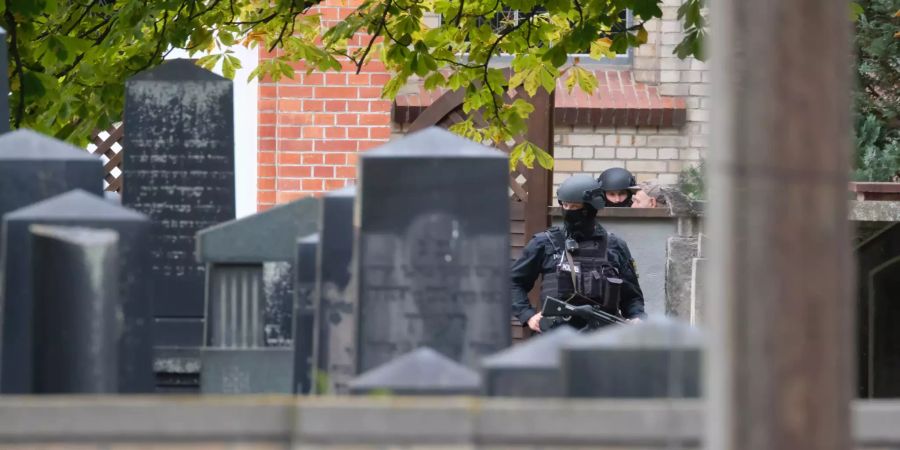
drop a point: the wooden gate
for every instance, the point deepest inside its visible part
(530, 189)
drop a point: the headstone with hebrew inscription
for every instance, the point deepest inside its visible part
(335, 309)
(76, 310)
(433, 242)
(135, 294)
(179, 170)
(34, 167)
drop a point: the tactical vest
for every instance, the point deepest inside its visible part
(595, 277)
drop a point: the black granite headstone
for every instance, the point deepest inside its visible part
(304, 312)
(433, 249)
(136, 290)
(179, 170)
(419, 372)
(529, 369)
(76, 310)
(335, 324)
(34, 167)
(657, 358)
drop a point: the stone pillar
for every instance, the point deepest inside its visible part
(780, 305)
(76, 310)
(135, 292)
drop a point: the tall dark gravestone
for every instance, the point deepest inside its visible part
(432, 249)
(304, 312)
(179, 170)
(237, 356)
(136, 291)
(658, 358)
(335, 309)
(528, 369)
(76, 310)
(34, 167)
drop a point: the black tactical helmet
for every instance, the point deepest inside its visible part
(617, 179)
(581, 189)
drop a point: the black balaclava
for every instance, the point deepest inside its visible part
(580, 223)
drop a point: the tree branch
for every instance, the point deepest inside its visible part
(381, 26)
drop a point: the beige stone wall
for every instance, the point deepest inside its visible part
(653, 153)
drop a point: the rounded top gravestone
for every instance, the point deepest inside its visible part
(650, 334)
(420, 372)
(539, 351)
(24, 144)
(529, 369)
(433, 142)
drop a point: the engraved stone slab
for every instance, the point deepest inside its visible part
(179, 170)
(433, 242)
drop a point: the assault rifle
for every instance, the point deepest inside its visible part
(592, 315)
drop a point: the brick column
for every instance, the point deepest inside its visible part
(312, 127)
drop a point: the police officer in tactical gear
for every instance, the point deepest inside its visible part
(618, 187)
(604, 269)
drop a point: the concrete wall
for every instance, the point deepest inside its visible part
(119, 423)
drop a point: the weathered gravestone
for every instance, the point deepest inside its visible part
(433, 243)
(234, 358)
(660, 357)
(529, 369)
(76, 310)
(179, 170)
(34, 167)
(334, 305)
(304, 312)
(420, 372)
(136, 291)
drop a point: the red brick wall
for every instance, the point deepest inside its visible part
(312, 127)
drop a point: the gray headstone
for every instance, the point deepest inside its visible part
(335, 323)
(263, 237)
(304, 312)
(420, 372)
(76, 310)
(4, 85)
(179, 170)
(250, 283)
(34, 167)
(529, 369)
(246, 371)
(433, 242)
(136, 290)
(657, 358)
